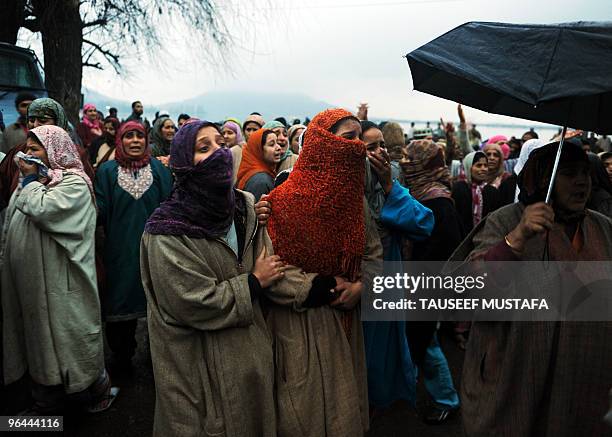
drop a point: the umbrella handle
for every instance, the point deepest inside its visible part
(555, 168)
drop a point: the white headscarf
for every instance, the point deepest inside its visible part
(526, 150)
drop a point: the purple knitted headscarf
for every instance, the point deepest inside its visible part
(203, 201)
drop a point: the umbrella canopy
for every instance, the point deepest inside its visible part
(559, 74)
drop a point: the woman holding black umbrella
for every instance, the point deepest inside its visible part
(506, 390)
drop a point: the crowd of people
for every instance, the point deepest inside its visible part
(248, 245)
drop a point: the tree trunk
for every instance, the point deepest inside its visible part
(62, 37)
(12, 14)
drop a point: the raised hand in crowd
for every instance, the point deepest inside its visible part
(461, 116)
(381, 164)
(362, 111)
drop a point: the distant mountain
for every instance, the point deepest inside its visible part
(218, 105)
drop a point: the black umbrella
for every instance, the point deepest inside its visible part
(559, 74)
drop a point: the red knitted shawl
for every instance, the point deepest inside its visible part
(317, 218)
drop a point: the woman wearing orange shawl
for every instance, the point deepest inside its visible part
(314, 313)
(260, 157)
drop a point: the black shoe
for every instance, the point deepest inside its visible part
(438, 414)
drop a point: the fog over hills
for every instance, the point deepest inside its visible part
(218, 105)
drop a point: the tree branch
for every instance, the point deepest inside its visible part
(96, 65)
(98, 22)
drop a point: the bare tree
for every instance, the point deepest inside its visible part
(100, 33)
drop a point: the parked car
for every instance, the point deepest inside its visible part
(18, 72)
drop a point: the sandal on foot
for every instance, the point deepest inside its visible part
(105, 402)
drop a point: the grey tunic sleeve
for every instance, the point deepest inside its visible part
(260, 183)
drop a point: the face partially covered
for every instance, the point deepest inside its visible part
(572, 186)
(134, 144)
(295, 140)
(249, 128)
(36, 149)
(208, 141)
(349, 129)
(373, 139)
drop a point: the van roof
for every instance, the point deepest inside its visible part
(6, 47)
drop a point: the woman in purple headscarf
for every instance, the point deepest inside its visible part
(203, 268)
(234, 140)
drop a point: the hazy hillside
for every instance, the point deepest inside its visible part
(218, 106)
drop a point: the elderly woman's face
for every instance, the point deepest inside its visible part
(493, 158)
(272, 152)
(36, 149)
(572, 186)
(208, 141)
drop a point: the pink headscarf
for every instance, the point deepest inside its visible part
(62, 153)
(497, 139)
(90, 124)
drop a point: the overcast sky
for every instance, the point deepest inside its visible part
(340, 51)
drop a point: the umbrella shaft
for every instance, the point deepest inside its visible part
(554, 172)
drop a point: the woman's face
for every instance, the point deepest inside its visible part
(572, 186)
(608, 165)
(493, 159)
(349, 129)
(230, 137)
(134, 144)
(36, 149)
(374, 140)
(457, 152)
(168, 130)
(249, 128)
(272, 152)
(92, 114)
(295, 141)
(109, 129)
(480, 170)
(40, 121)
(281, 138)
(208, 141)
